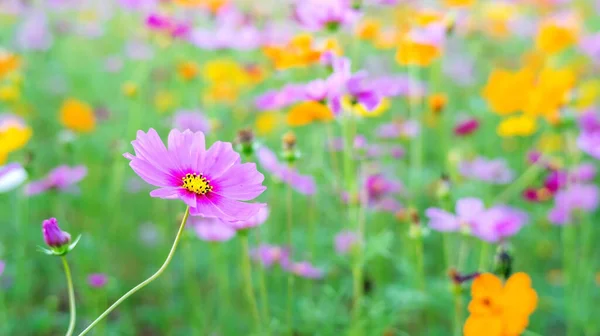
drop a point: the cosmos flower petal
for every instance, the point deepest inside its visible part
(468, 208)
(220, 157)
(149, 147)
(149, 174)
(179, 146)
(441, 220)
(218, 206)
(166, 193)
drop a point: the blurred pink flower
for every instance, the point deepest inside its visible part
(576, 197)
(268, 255)
(193, 120)
(344, 241)
(304, 184)
(97, 280)
(62, 178)
(303, 269)
(212, 229)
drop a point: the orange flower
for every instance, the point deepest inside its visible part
(415, 53)
(8, 63)
(77, 116)
(211, 5)
(507, 91)
(308, 112)
(187, 70)
(497, 16)
(550, 93)
(437, 102)
(499, 309)
(459, 3)
(300, 51)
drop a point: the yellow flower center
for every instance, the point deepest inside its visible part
(196, 183)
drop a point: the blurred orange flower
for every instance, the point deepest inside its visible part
(551, 91)
(77, 115)
(459, 3)
(496, 18)
(437, 102)
(14, 135)
(517, 126)
(498, 309)
(8, 63)
(308, 112)
(187, 70)
(300, 51)
(211, 5)
(368, 29)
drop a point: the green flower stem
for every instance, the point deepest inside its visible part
(147, 281)
(569, 261)
(290, 278)
(72, 309)
(247, 276)
(484, 256)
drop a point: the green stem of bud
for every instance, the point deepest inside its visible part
(72, 310)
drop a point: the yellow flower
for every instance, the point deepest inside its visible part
(507, 92)
(9, 93)
(164, 101)
(14, 135)
(8, 63)
(587, 94)
(360, 110)
(413, 51)
(517, 126)
(427, 16)
(308, 112)
(77, 116)
(212, 5)
(550, 93)
(550, 143)
(266, 122)
(225, 71)
(221, 92)
(369, 29)
(497, 16)
(556, 35)
(129, 89)
(459, 3)
(300, 51)
(187, 70)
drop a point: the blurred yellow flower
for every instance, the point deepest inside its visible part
(508, 91)
(212, 5)
(360, 110)
(551, 92)
(550, 143)
(129, 89)
(164, 101)
(496, 18)
(588, 93)
(459, 3)
(77, 116)
(557, 34)
(225, 71)
(14, 135)
(221, 92)
(517, 126)
(8, 63)
(414, 53)
(188, 70)
(266, 122)
(308, 112)
(368, 29)
(9, 93)
(427, 16)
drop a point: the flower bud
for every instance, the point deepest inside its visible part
(53, 235)
(503, 262)
(245, 140)
(290, 154)
(58, 240)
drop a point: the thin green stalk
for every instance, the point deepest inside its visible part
(484, 256)
(569, 262)
(420, 262)
(147, 281)
(223, 274)
(290, 279)
(247, 275)
(264, 297)
(525, 179)
(458, 312)
(72, 309)
(191, 284)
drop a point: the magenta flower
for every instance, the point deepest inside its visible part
(213, 183)
(268, 255)
(498, 223)
(2, 267)
(62, 178)
(212, 229)
(278, 99)
(53, 235)
(468, 211)
(576, 197)
(589, 143)
(304, 184)
(466, 127)
(193, 120)
(167, 25)
(344, 241)
(303, 269)
(494, 171)
(97, 280)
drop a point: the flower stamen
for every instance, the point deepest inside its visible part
(196, 183)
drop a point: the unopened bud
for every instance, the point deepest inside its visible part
(245, 140)
(57, 240)
(290, 154)
(503, 262)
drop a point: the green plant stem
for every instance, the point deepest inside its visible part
(524, 180)
(569, 260)
(290, 278)
(458, 313)
(72, 310)
(147, 281)
(247, 276)
(484, 256)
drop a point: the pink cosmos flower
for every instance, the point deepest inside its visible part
(318, 14)
(467, 211)
(268, 255)
(212, 182)
(53, 235)
(303, 269)
(344, 241)
(576, 197)
(466, 127)
(212, 229)
(498, 223)
(494, 171)
(304, 184)
(193, 120)
(2, 266)
(61, 178)
(254, 221)
(97, 280)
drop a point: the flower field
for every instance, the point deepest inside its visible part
(299, 167)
